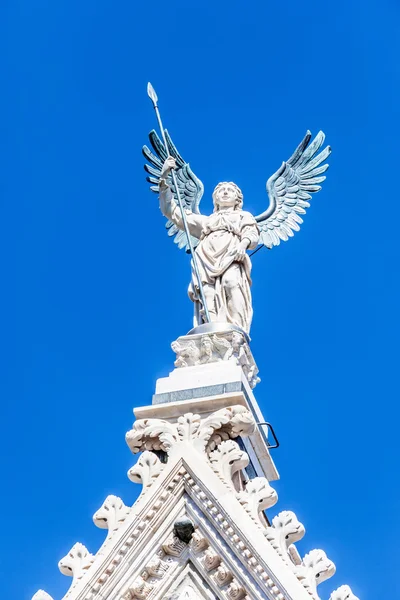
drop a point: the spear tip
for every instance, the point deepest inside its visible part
(152, 94)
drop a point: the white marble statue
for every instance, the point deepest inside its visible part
(221, 240)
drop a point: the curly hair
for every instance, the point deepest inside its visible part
(239, 194)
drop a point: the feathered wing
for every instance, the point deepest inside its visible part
(290, 188)
(190, 187)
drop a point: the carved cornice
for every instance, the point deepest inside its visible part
(205, 434)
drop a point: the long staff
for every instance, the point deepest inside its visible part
(153, 96)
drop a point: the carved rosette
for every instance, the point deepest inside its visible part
(343, 593)
(76, 562)
(211, 559)
(223, 575)
(194, 350)
(204, 433)
(198, 542)
(111, 514)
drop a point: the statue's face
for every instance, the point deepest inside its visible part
(226, 196)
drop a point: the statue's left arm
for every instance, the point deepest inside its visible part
(250, 232)
(249, 235)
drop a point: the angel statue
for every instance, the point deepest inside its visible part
(222, 276)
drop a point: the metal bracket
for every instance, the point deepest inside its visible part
(271, 429)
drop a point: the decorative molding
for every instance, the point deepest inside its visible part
(227, 459)
(257, 496)
(204, 433)
(146, 470)
(76, 562)
(286, 529)
(343, 593)
(251, 562)
(41, 595)
(194, 350)
(315, 568)
(111, 514)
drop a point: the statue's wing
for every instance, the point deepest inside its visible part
(190, 187)
(290, 188)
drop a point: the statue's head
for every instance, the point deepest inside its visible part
(226, 195)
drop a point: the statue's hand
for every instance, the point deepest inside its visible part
(168, 166)
(241, 251)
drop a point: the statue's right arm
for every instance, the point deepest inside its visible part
(166, 199)
(171, 210)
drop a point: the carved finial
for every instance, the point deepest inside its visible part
(146, 470)
(257, 496)
(76, 562)
(227, 459)
(111, 514)
(286, 529)
(343, 593)
(41, 595)
(315, 569)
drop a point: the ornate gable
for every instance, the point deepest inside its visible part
(198, 528)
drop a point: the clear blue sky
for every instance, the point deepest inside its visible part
(93, 291)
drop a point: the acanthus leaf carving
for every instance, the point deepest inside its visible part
(343, 593)
(316, 567)
(111, 514)
(146, 470)
(41, 595)
(227, 459)
(205, 434)
(257, 496)
(76, 562)
(151, 434)
(198, 350)
(286, 529)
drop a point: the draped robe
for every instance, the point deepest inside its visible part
(220, 235)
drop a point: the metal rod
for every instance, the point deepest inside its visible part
(269, 426)
(154, 99)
